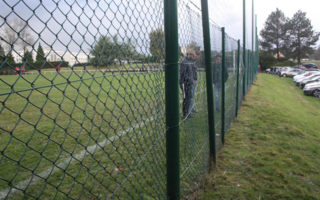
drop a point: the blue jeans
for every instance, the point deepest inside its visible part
(217, 95)
(193, 90)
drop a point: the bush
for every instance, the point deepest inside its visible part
(266, 60)
(285, 63)
(9, 67)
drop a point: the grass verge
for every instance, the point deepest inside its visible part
(272, 148)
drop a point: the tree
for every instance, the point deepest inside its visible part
(274, 33)
(40, 54)
(109, 49)
(10, 59)
(302, 36)
(28, 57)
(12, 28)
(2, 52)
(157, 43)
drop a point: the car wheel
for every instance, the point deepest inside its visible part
(284, 75)
(316, 93)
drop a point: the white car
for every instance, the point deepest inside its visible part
(313, 75)
(306, 75)
(290, 72)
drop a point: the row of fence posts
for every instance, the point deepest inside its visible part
(172, 88)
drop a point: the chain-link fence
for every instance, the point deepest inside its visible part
(82, 92)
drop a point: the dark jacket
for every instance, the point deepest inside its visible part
(187, 68)
(195, 74)
(217, 73)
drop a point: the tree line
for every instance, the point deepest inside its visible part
(16, 32)
(294, 37)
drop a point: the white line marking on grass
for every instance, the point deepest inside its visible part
(22, 185)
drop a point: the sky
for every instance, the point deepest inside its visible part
(73, 25)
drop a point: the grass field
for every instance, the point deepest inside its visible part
(272, 148)
(94, 136)
(82, 136)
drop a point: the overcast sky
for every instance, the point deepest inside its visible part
(77, 24)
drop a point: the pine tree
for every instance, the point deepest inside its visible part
(274, 33)
(10, 59)
(28, 57)
(302, 36)
(40, 54)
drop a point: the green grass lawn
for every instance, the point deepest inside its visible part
(94, 136)
(272, 147)
(48, 119)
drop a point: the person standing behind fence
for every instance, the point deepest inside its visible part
(195, 78)
(186, 81)
(16, 71)
(279, 71)
(217, 80)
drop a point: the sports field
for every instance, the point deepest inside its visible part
(80, 133)
(93, 135)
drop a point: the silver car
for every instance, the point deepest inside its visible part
(312, 89)
(291, 72)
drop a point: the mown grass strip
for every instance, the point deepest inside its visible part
(272, 148)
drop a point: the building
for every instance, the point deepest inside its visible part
(55, 56)
(280, 55)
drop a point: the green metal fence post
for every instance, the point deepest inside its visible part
(223, 86)
(244, 49)
(238, 66)
(172, 98)
(207, 55)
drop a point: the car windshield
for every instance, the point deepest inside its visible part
(301, 72)
(314, 77)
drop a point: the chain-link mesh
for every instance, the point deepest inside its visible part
(194, 145)
(82, 94)
(91, 129)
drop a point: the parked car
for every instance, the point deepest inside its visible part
(298, 67)
(312, 89)
(310, 65)
(268, 71)
(313, 75)
(304, 72)
(291, 72)
(286, 68)
(313, 79)
(301, 75)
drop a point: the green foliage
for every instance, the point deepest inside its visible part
(10, 59)
(157, 43)
(40, 54)
(28, 57)
(108, 50)
(285, 63)
(48, 65)
(302, 36)
(266, 59)
(274, 32)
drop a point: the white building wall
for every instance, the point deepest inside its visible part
(55, 56)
